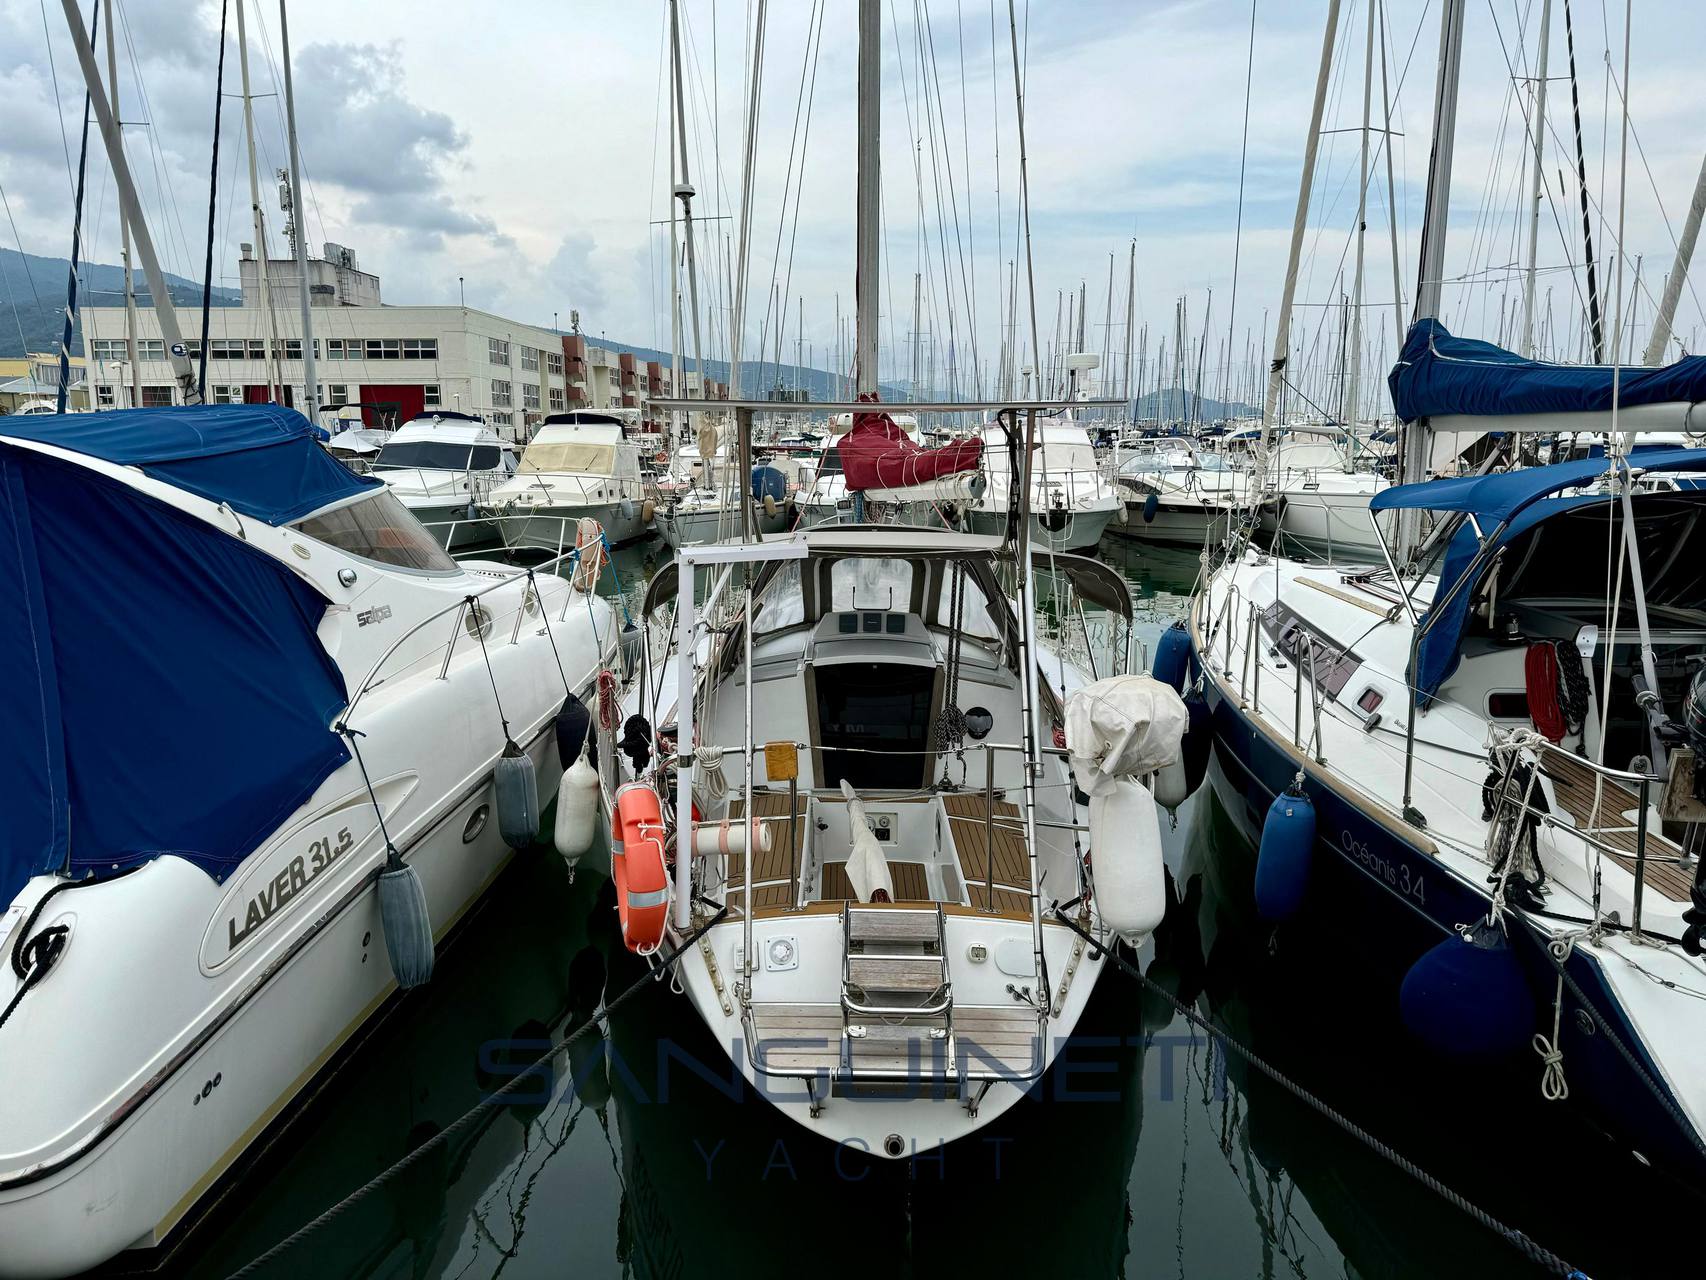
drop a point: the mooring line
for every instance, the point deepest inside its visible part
(1534, 1252)
(599, 1021)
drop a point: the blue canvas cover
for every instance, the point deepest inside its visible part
(1495, 497)
(261, 459)
(1439, 374)
(1507, 504)
(161, 684)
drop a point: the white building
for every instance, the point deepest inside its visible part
(394, 361)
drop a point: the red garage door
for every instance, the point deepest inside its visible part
(255, 393)
(391, 404)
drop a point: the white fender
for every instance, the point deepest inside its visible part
(577, 810)
(1125, 854)
(1172, 784)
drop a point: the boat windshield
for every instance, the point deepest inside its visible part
(571, 456)
(830, 463)
(379, 528)
(435, 455)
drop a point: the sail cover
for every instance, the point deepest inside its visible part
(876, 454)
(164, 690)
(259, 459)
(1439, 374)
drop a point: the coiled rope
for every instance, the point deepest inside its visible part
(1534, 1252)
(599, 1021)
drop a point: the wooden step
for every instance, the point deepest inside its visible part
(896, 925)
(889, 973)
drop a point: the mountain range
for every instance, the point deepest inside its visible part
(32, 298)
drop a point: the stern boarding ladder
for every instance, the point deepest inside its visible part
(896, 1029)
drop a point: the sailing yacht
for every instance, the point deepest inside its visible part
(578, 464)
(445, 466)
(1479, 761)
(868, 838)
(246, 692)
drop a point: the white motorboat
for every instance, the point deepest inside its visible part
(444, 466)
(247, 698)
(577, 465)
(1175, 492)
(862, 918)
(1071, 502)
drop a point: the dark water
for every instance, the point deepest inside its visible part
(1147, 1152)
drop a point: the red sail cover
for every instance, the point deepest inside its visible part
(876, 454)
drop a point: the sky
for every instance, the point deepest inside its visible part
(523, 159)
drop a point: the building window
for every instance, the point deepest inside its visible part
(420, 348)
(554, 362)
(337, 393)
(334, 348)
(384, 349)
(104, 395)
(530, 395)
(497, 350)
(500, 394)
(530, 360)
(113, 349)
(293, 348)
(156, 397)
(429, 395)
(226, 394)
(556, 399)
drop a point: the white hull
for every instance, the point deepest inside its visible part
(1079, 532)
(702, 526)
(553, 528)
(452, 528)
(1330, 522)
(178, 1025)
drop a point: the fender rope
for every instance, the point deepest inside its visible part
(598, 1020)
(1535, 1253)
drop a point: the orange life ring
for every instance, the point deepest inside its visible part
(638, 869)
(661, 457)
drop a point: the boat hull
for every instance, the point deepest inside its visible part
(553, 528)
(1402, 901)
(454, 530)
(1078, 532)
(1336, 524)
(149, 1172)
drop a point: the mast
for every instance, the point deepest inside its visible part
(1678, 274)
(1282, 333)
(746, 201)
(130, 207)
(130, 353)
(869, 202)
(1130, 305)
(273, 383)
(1417, 437)
(1534, 192)
(311, 387)
(1391, 195)
(678, 386)
(684, 191)
(1353, 381)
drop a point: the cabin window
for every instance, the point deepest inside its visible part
(861, 582)
(379, 528)
(437, 455)
(570, 455)
(485, 457)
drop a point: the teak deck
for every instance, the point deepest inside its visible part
(966, 819)
(1573, 781)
